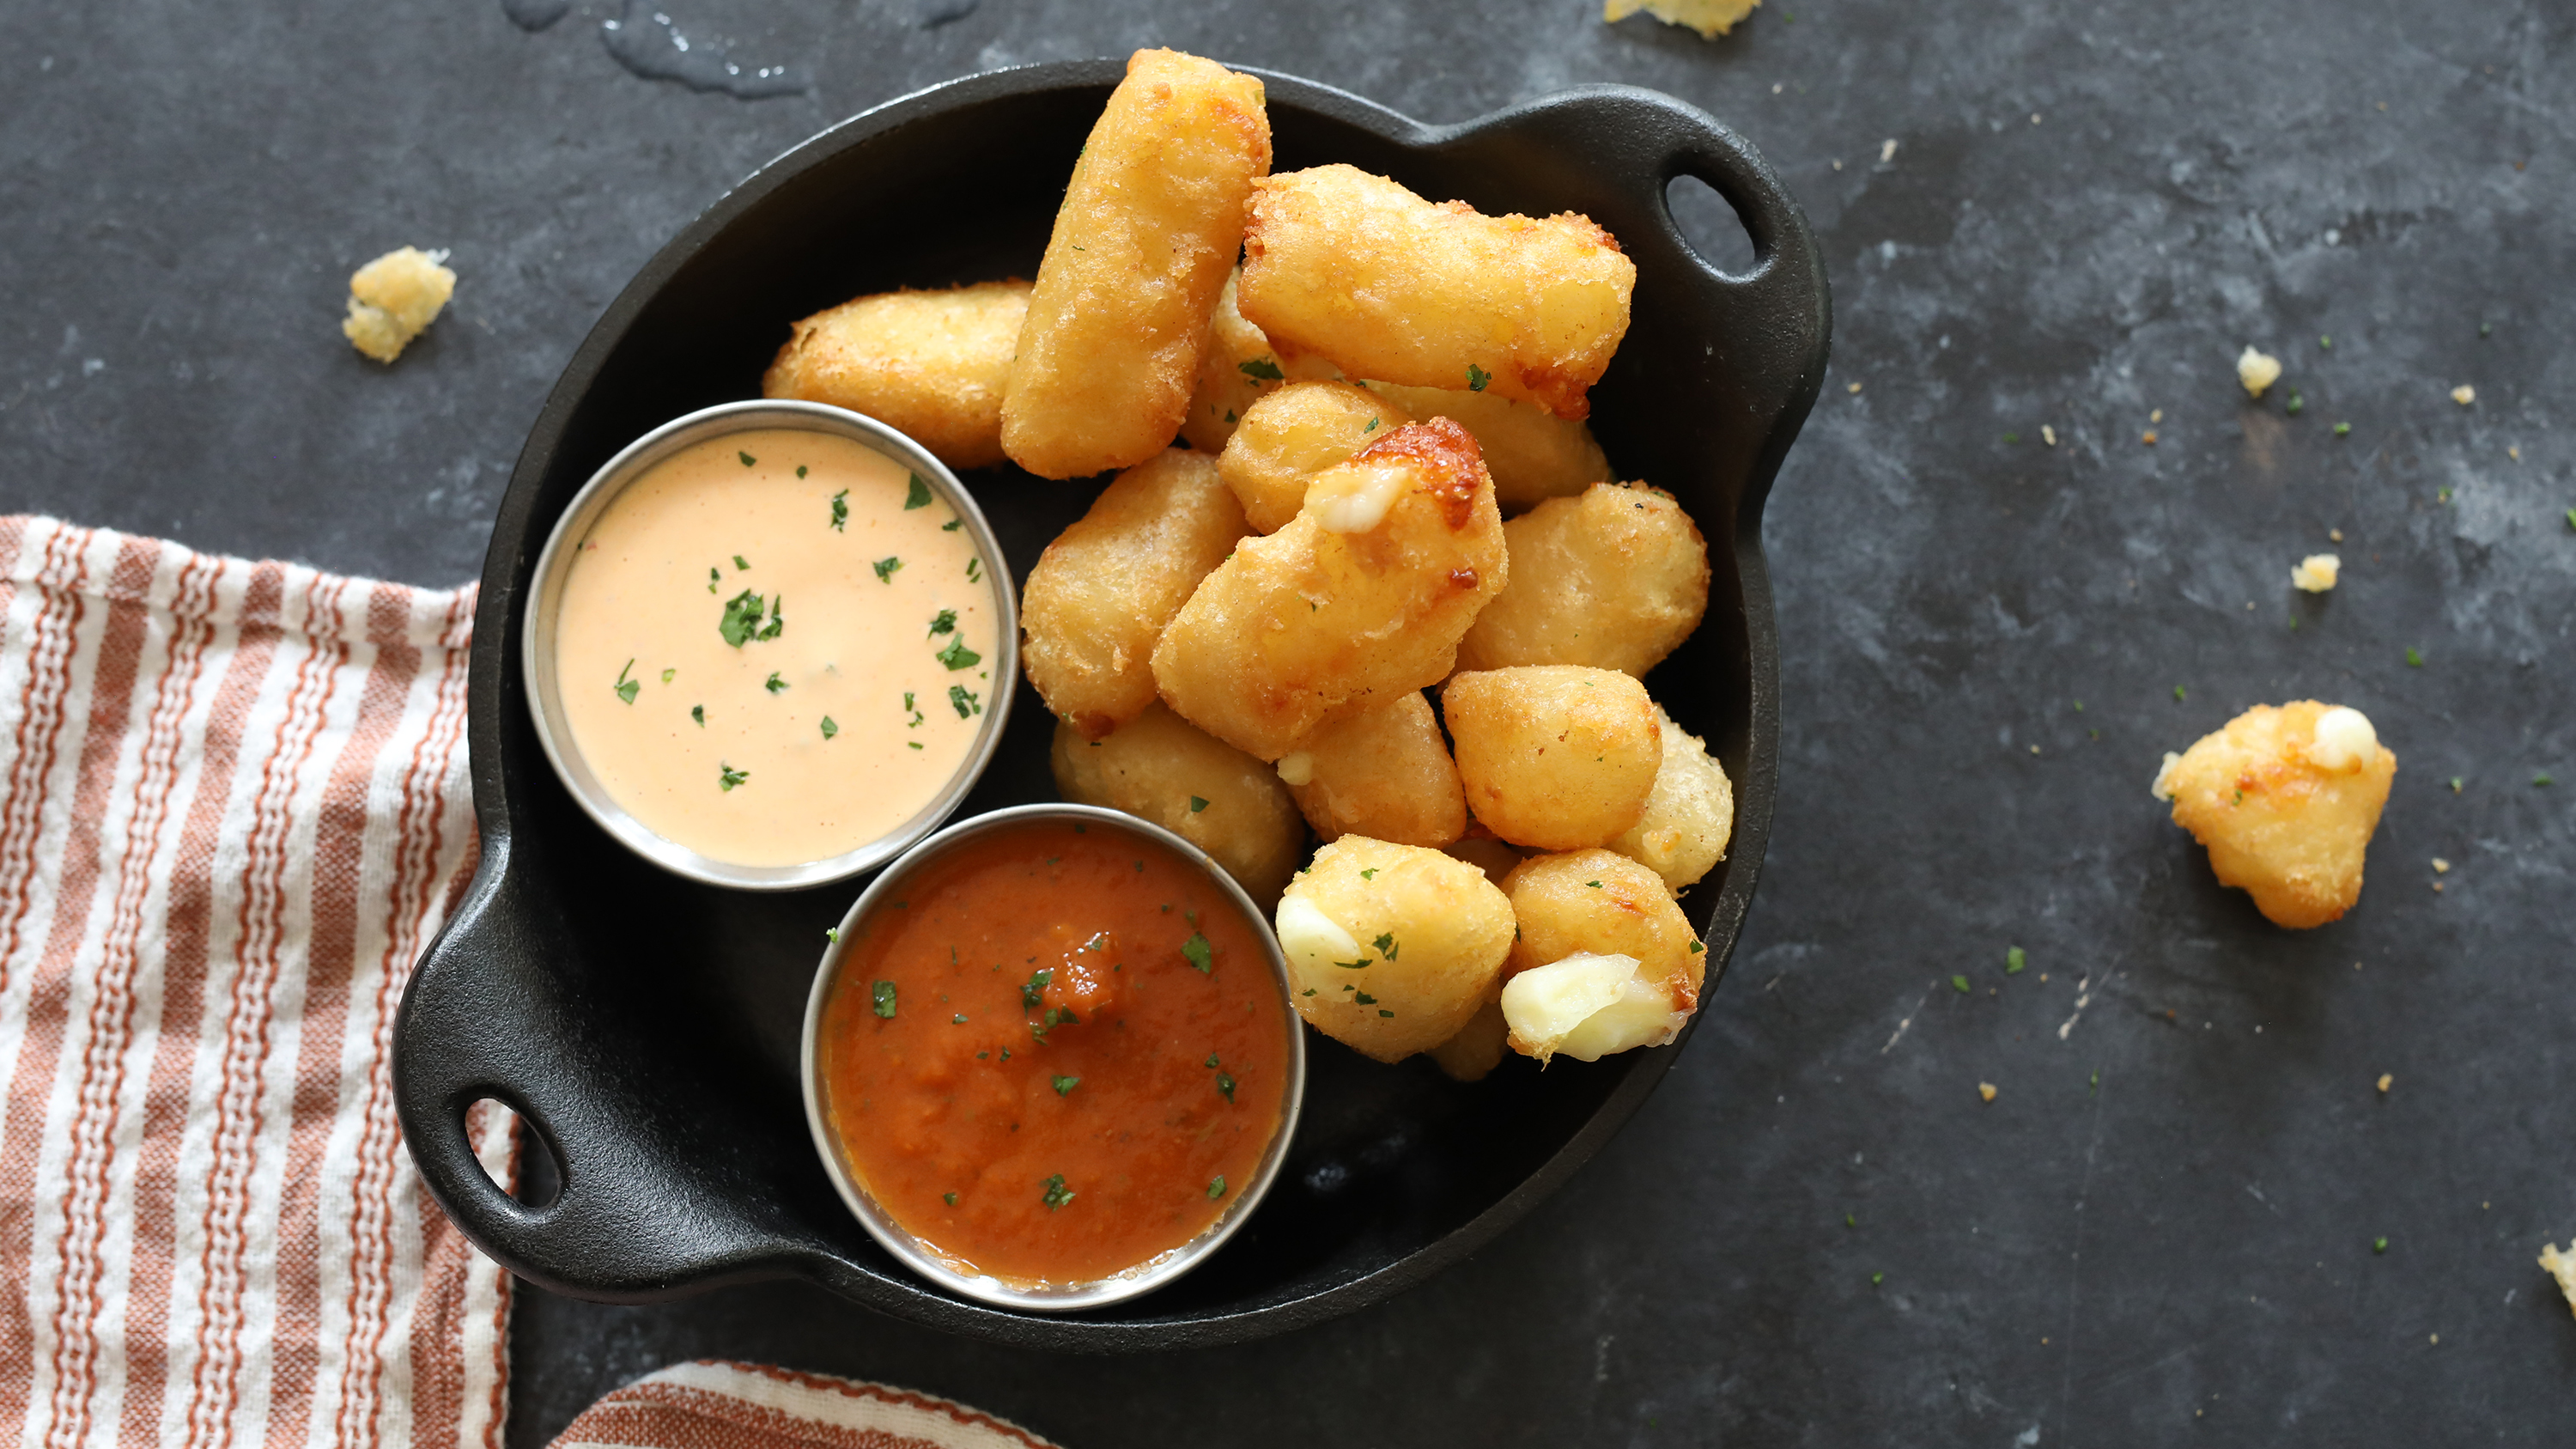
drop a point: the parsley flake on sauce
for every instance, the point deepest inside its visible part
(747, 459)
(1477, 377)
(944, 622)
(670, 674)
(840, 507)
(1262, 369)
(829, 729)
(958, 1020)
(958, 656)
(727, 776)
(949, 1198)
(1056, 1195)
(1200, 954)
(1211, 1061)
(738, 562)
(800, 472)
(712, 578)
(917, 715)
(1037, 983)
(1063, 1085)
(1197, 803)
(626, 687)
(741, 622)
(698, 712)
(917, 496)
(974, 570)
(773, 683)
(1216, 1187)
(1225, 1084)
(963, 700)
(882, 993)
(885, 568)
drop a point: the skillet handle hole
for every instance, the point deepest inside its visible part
(513, 1153)
(1711, 225)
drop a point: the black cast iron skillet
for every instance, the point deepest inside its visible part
(647, 1027)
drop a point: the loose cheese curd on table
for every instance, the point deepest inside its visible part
(774, 647)
(2286, 801)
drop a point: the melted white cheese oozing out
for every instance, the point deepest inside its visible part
(2162, 789)
(1296, 769)
(1354, 498)
(2344, 739)
(1588, 1007)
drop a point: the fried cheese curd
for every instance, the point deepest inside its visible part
(1100, 595)
(394, 298)
(1602, 959)
(1391, 949)
(1238, 369)
(1109, 355)
(1533, 454)
(1291, 435)
(1205, 791)
(1363, 595)
(2285, 800)
(1711, 18)
(1616, 578)
(1383, 772)
(1554, 756)
(932, 364)
(1689, 816)
(1354, 267)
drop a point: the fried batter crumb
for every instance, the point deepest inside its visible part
(1711, 18)
(2464, 394)
(393, 298)
(2384, 1079)
(2561, 1266)
(1985, 1091)
(2257, 371)
(2317, 572)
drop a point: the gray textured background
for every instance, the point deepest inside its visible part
(2162, 1230)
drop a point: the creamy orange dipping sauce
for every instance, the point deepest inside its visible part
(1060, 1055)
(774, 647)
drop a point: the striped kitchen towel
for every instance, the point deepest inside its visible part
(233, 808)
(715, 1405)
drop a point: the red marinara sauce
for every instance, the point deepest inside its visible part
(1059, 1055)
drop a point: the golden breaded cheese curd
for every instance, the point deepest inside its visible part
(1238, 369)
(1357, 269)
(932, 365)
(1098, 598)
(1383, 772)
(1602, 959)
(1554, 756)
(1689, 816)
(1208, 793)
(1293, 434)
(1616, 578)
(1149, 227)
(2286, 801)
(1363, 595)
(1533, 454)
(1711, 18)
(1391, 949)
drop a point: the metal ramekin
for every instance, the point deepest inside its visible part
(545, 591)
(1067, 1297)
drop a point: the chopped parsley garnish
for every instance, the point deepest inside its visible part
(958, 1020)
(1262, 369)
(741, 622)
(1057, 1195)
(2342, 429)
(1309, 991)
(800, 472)
(747, 459)
(944, 622)
(1477, 377)
(829, 729)
(957, 655)
(1369, 874)
(949, 1198)
(963, 700)
(1695, 949)
(1216, 1187)
(1037, 983)
(2178, 692)
(698, 712)
(2015, 958)
(712, 578)
(2414, 659)
(773, 683)
(917, 496)
(1225, 1084)
(1064, 1085)
(727, 776)
(1594, 884)
(1385, 944)
(882, 993)
(1200, 954)
(1382, 1011)
(1960, 982)
(1212, 1059)
(952, 525)
(1359, 965)
(2379, 1245)
(917, 715)
(885, 568)
(1364, 999)
(974, 570)
(840, 507)
(832, 934)
(739, 563)
(626, 687)
(1055, 1015)
(1372, 425)
(1197, 803)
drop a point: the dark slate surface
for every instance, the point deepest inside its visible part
(2162, 1230)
